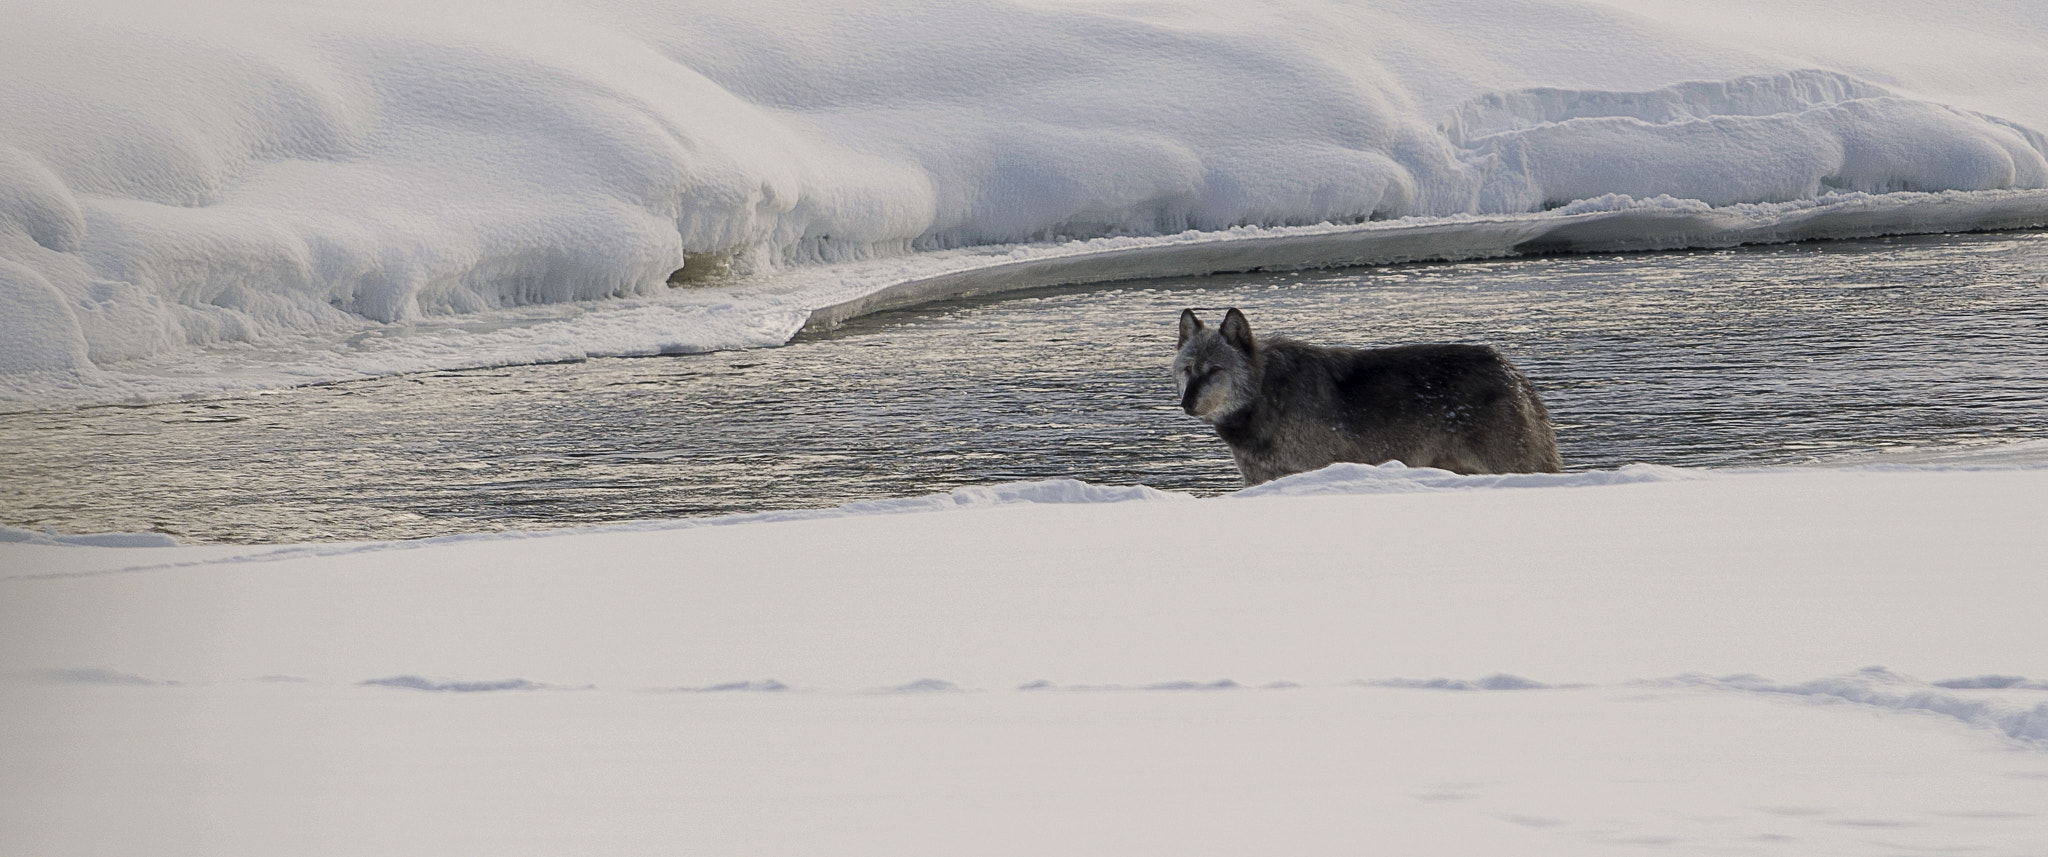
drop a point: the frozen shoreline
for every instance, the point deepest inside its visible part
(767, 310)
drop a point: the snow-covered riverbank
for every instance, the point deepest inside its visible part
(313, 193)
(1362, 659)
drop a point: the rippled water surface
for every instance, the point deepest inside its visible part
(1761, 356)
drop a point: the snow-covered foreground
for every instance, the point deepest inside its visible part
(233, 194)
(1364, 660)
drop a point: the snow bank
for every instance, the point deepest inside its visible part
(992, 677)
(178, 186)
(1357, 559)
(1759, 139)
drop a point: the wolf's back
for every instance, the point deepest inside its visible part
(1464, 408)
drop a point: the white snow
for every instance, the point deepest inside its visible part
(237, 194)
(1363, 659)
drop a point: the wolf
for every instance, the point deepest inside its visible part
(1290, 407)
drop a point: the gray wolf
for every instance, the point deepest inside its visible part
(1290, 407)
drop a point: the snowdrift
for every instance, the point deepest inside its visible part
(178, 187)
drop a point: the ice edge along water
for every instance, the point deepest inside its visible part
(1337, 479)
(1609, 223)
(769, 309)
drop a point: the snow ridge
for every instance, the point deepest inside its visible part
(96, 675)
(413, 682)
(2014, 707)
(1497, 681)
(2023, 717)
(762, 686)
(1043, 685)
(922, 686)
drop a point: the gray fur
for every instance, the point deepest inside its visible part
(1289, 407)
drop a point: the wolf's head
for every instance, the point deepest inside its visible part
(1214, 368)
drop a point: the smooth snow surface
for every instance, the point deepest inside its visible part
(1360, 660)
(234, 194)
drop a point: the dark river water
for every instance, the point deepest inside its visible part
(1819, 352)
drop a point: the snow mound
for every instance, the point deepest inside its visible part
(1497, 681)
(1219, 684)
(1709, 141)
(2022, 717)
(923, 685)
(1992, 682)
(182, 187)
(764, 686)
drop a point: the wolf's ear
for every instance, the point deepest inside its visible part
(1189, 326)
(1237, 331)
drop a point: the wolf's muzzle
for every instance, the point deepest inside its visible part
(1187, 399)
